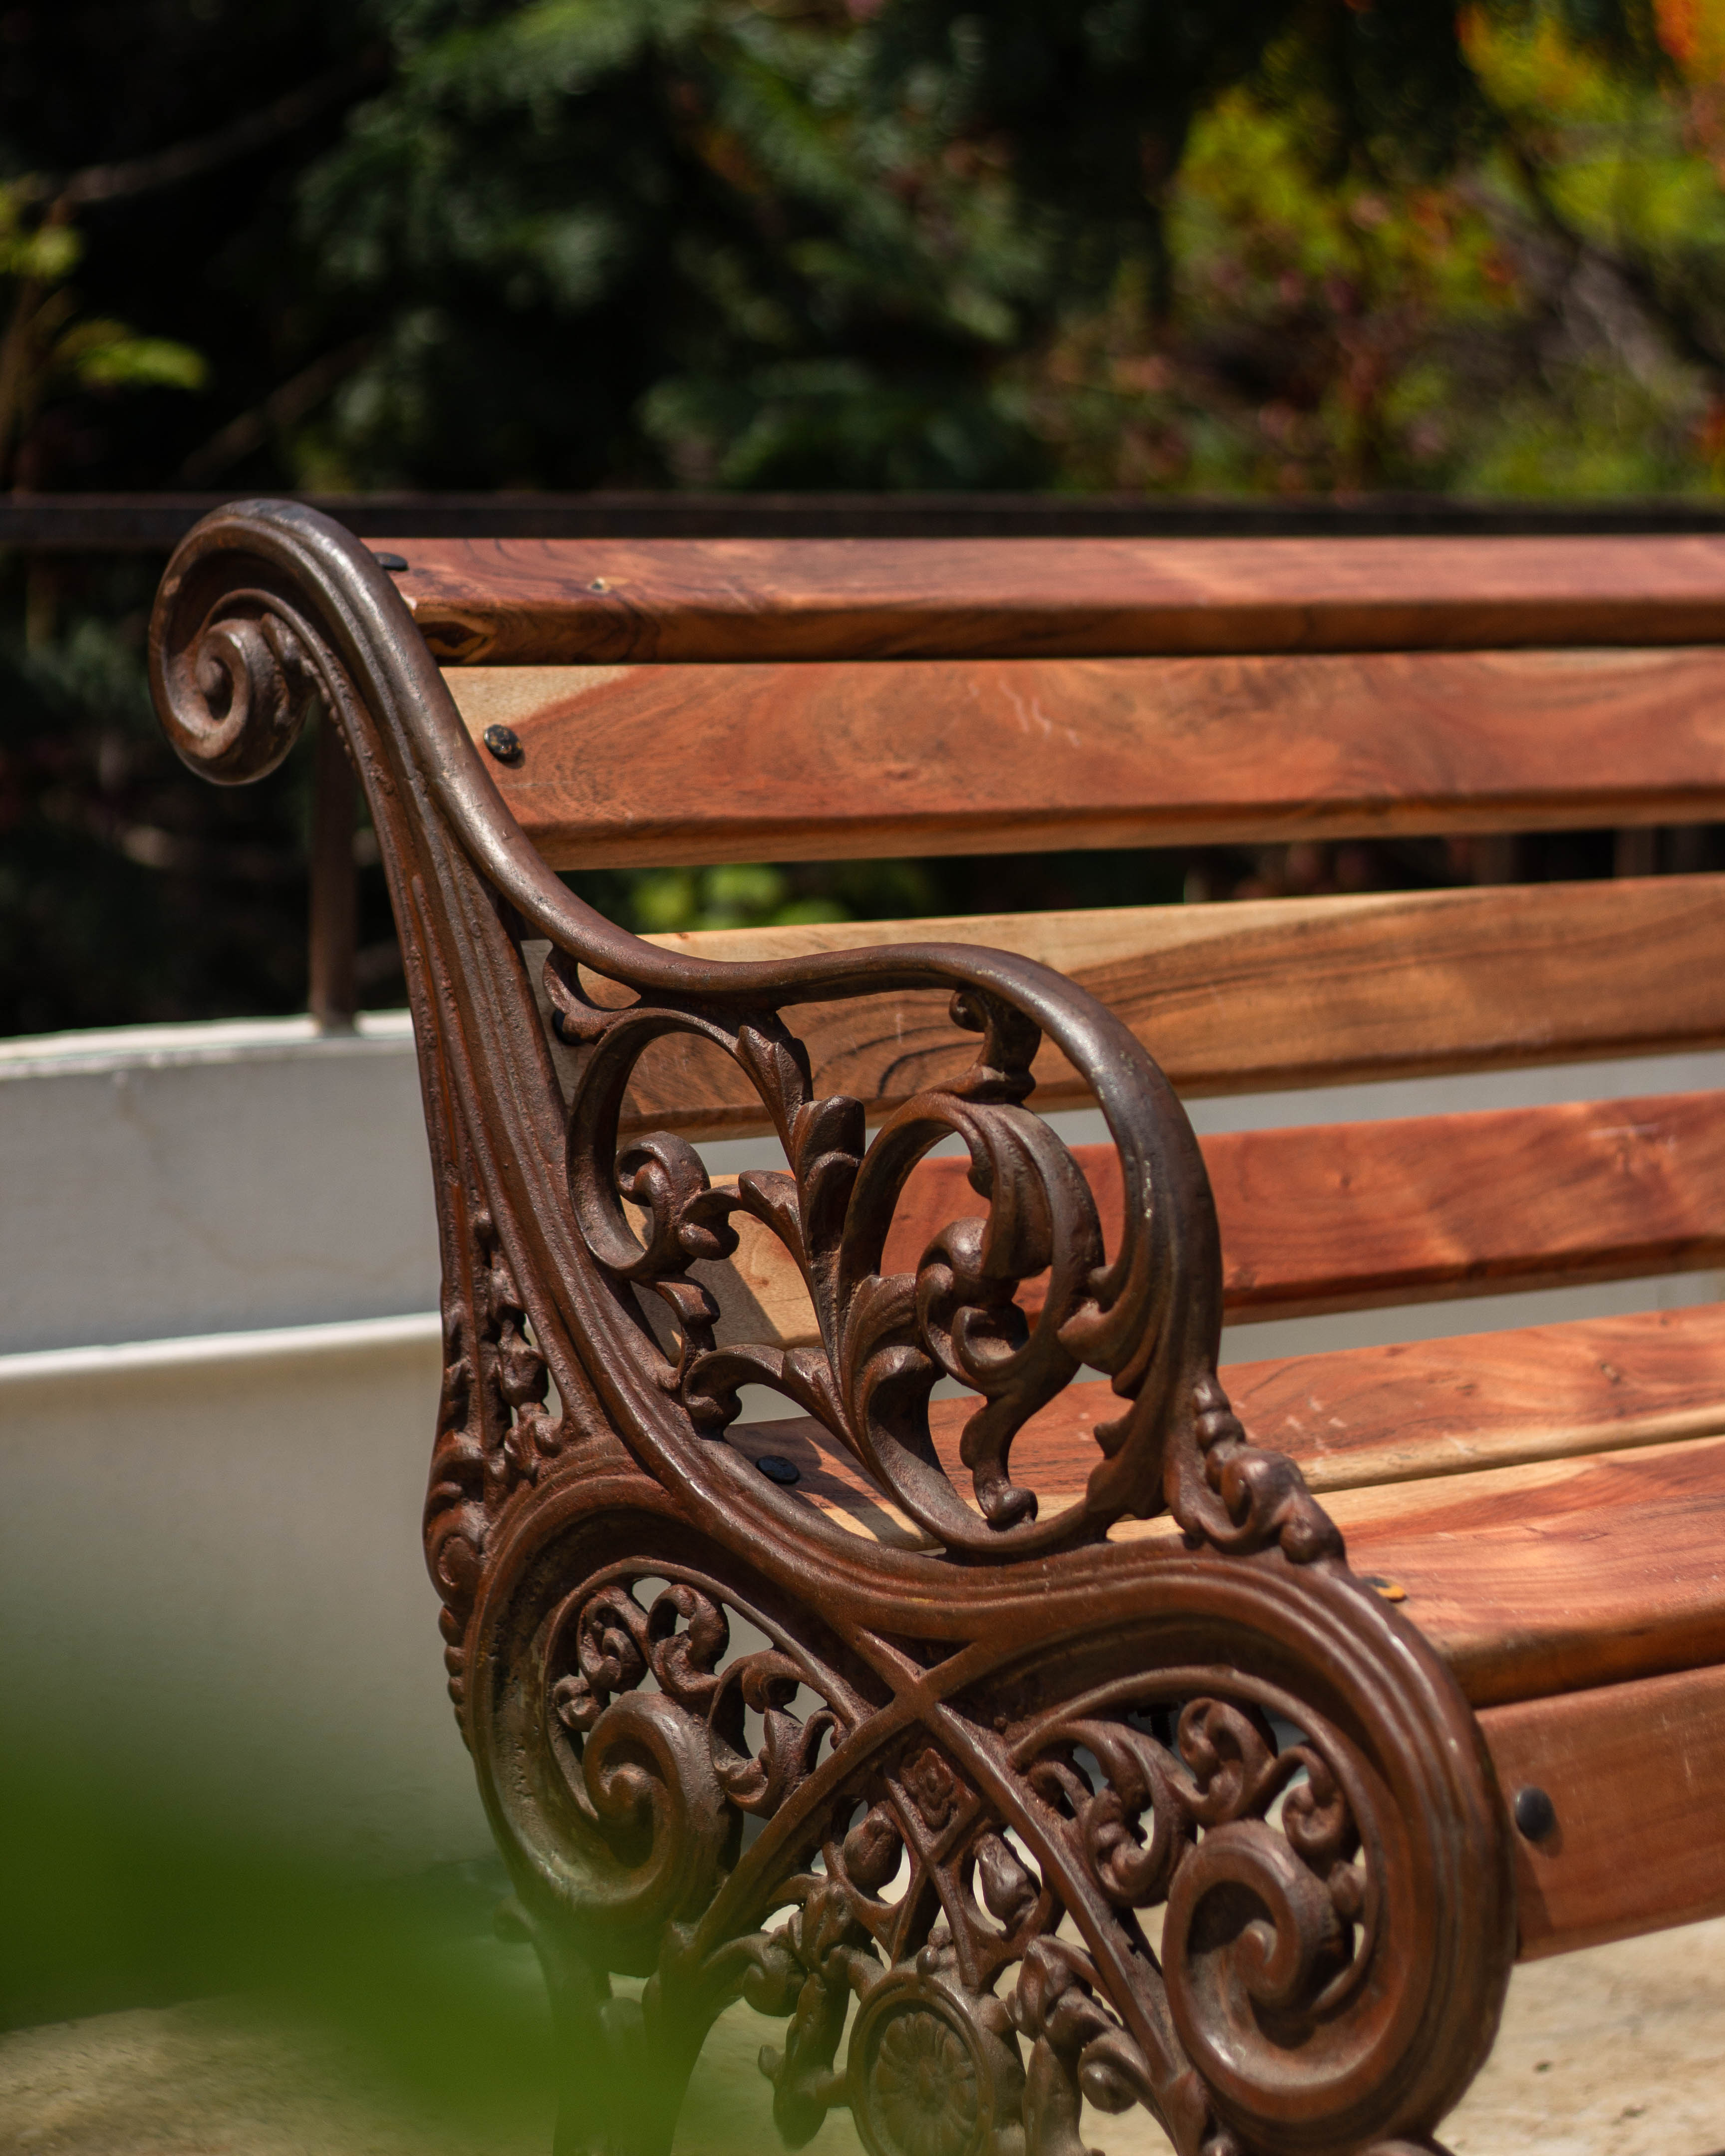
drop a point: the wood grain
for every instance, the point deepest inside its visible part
(1347, 1215)
(1364, 1416)
(1634, 1771)
(1559, 1574)
(1353, 1216)
(626, 766)
(1423, 1408)
(1550, 1577)
(1262, 994)
(501, 601)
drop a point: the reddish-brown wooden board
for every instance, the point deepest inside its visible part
(1355, 1216)
(1343, 1216)
(1634, 1772)
(1263, 994)
(1425, 1407)
(1556, 1575)
(639, 764)
(1363, 1416)
(503, 600)
(1550, 1577)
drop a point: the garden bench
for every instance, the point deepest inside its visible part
(1097, 1728)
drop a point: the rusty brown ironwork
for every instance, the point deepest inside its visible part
(333, 987)
(1013, 1816)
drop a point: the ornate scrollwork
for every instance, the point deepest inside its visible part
(243, 691)
(885, 1340)
(927, 1808)
(970, 1885)
(1252, 1843)
(270, 610)
(494, 1432)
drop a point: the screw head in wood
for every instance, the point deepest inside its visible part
(392, 561)
(777, 1469)
(504, 742)
(1535, 1814)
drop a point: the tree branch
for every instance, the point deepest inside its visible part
(207, 153)
(249, 429)
(1689, 334)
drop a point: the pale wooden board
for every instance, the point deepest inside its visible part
(1259, 995)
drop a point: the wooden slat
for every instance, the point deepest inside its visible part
(503, 601)
(788, 761)
(1348, 1215)
(1424, 1408)
(1352, 1216)
(1551, 1576)
(1360, 1417)
(1546, 1577)
(1634, 1772)
(1264, 994)
(1557, 1575)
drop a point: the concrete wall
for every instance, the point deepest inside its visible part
(163, 1182)
(217, 1393)
(218, 1371)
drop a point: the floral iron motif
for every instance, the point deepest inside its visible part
(967, 1893)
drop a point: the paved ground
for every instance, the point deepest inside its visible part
(1620, 2051)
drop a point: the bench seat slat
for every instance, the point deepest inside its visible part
(1634, 1772)
(505, 600)
(1547, 1577)
(1559, 1574)
(626, 766)
(1264, 993)
(1353, 1216)
(1362, 1417)
(1358, 1417)
(1418, 1409)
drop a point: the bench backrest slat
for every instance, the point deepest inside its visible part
(1263, 994)
(1351, 1216)
(826, 761)
(502, 601)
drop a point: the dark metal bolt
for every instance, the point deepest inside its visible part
(1536, 1814)
(388, 561)
(504, 742)
(777, 1469)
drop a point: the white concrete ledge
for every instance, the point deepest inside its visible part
(221, 1351)
(166, 1181)
(220, 1040)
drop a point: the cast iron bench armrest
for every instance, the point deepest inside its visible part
(958, 1673)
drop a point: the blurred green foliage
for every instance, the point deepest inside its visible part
(1217, 246)
(122, 1892)
(802, 242)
